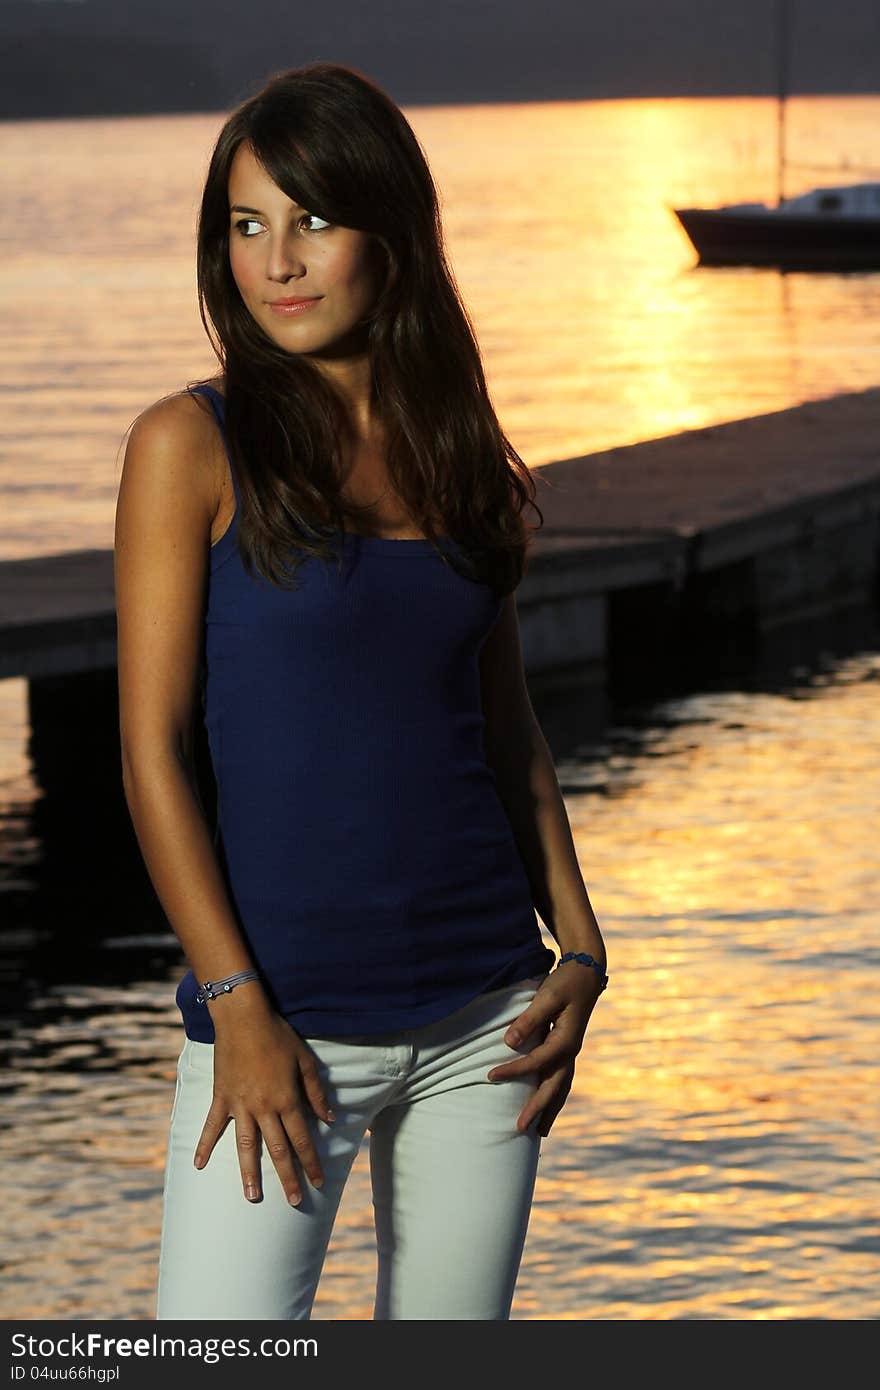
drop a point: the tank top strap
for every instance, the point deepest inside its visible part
(218, 405)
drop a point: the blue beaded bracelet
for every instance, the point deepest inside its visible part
(585, 960)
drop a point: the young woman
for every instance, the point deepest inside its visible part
(316, 553)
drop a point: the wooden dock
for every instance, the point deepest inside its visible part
(720, 540)
(721, 533)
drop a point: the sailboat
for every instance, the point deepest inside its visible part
(831, 228)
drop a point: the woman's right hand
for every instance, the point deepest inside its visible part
(263, 1073)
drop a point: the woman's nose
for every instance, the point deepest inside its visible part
(284, 261)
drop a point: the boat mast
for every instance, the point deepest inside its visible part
(782, 43)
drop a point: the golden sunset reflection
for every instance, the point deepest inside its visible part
(596, 327)
(721, 1132)
(716, 1157)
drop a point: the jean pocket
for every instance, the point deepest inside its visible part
(198, 1057)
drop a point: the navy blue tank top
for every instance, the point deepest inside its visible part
(367, 854)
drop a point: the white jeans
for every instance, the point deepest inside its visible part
(452, 1178)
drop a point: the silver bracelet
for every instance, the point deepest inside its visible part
(212, 988)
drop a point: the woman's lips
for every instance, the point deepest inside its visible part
(297, 306)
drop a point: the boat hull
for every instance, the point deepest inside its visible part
(793, 241)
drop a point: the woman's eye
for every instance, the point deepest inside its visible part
(307, 217)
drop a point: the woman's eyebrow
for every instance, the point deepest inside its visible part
(238, 207)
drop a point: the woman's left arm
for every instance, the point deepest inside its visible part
(526, 780)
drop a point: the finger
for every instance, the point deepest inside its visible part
(313, 1087)
(524, 1024)
(539, 1101)
(542, 1055)
(247, 1142)
(296, 1126)
(546, 1121)
(216, 1121)
(278, 1144)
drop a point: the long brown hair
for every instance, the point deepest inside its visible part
(334, 143)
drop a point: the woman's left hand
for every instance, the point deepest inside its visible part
(565, 1000)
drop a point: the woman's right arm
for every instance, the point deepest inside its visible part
(168, 497)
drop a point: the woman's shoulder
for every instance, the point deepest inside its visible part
(181, 416)
(180, 429)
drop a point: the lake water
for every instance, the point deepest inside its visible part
(716, 1157)
(595, 326)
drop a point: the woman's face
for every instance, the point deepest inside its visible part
(280, 251)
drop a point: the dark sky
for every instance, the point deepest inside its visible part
(86, 57)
